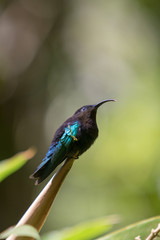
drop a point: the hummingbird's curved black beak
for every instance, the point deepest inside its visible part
(104, 101)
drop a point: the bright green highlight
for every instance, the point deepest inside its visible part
(86, 230)
(11, 165)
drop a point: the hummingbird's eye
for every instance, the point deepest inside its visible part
(83, 109)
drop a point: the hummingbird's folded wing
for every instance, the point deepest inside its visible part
(56, 153)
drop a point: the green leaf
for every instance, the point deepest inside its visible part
(87, 230)
(142, 229)
(25, 231)
(9, 166)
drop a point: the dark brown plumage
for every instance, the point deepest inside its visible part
(74, 136)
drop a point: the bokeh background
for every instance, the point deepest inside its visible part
(56, 56)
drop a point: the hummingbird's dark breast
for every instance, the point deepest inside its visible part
(86, 136)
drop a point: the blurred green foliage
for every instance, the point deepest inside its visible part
(56, 56)
(25, 230)
(11, 165)
(142, 229)
(86, 230)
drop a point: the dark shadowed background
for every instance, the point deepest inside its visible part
(56, 56)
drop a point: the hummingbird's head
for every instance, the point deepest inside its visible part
(89, 111)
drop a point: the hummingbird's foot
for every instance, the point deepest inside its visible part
(76, 155)
(74, 138)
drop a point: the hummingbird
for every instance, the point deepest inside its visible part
(71, 139)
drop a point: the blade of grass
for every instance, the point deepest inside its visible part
(141, 229)
(85, 230)
(25, 230)
(9, 166)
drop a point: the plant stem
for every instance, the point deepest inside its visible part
(38, 211)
